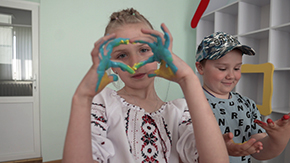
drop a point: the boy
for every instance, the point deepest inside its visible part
(219, 60)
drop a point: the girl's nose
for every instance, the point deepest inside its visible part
(136, 58)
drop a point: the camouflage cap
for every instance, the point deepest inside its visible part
(218, 44)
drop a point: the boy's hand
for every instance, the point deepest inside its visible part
(241, 149)
(279, 130)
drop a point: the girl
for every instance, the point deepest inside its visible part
(134, 124)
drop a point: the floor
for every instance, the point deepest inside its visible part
(35, 160)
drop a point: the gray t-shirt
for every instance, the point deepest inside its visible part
(236, 115)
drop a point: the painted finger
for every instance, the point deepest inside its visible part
(158, 36)
(100, 42)
(123, 67)
(105, 80)
(164, 71)
(168, 37)
(147, 39)
(270, 122)
(152, 32)
(260, 123)
(285, 117)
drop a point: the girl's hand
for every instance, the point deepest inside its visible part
(172, 67)
(105, 63)
(87, 87)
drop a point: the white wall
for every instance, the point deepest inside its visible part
(68, 30)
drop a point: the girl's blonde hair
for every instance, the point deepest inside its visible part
(126, 16)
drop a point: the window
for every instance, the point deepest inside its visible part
(16, 64)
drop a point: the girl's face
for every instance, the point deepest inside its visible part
(134, 53)
(221, 76)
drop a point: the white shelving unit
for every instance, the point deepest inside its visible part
(265, 26)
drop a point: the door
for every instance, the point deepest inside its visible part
(19, 74)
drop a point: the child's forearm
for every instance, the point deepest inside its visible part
(78, 146)
(209, 140)
(272, 147)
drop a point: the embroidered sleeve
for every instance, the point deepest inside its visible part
(102, 147)
(186, 144)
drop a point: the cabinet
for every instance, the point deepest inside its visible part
(265, 26)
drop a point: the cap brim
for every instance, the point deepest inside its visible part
(245, 49)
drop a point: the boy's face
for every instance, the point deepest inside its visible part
(221, 76)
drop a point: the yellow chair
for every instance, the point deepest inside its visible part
(268, 70)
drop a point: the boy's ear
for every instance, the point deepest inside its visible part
(199, 68)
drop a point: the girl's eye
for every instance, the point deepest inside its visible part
(121, 56)
(144, 50)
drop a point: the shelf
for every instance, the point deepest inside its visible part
(281, 90)
(283, 69)
(226, 19)
(14, 25)
(205, 27)
(279, 47)
(259, 41)
(259, 34)
(284, 27)
(280, 12)
(257, 3)
(253, 16)
(278, 111)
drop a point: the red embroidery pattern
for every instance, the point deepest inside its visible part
(167, 131)
(99, 119)
(101, 105)
(149, 148)
(186, 121)
(127, 126)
